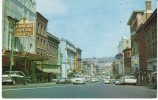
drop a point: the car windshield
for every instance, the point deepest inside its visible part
(10, 72)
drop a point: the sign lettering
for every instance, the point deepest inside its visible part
(24, 29)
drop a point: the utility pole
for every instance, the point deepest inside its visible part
(12, 41)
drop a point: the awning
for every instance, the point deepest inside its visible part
(28, 56)
(49, 68)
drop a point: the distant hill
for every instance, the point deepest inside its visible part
(100, 60)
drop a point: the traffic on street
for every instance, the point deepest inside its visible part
(79, 49)
(89, 90)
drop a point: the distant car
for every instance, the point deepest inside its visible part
(93, 80)
(54, 80)
(78, 79)
(129, 80)
(107, 81)
(117, 82)
(63, 81)
(97, 80)
(15, 77)
(113, 81)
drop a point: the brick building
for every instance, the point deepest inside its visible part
(127, 61)
(47, 47)
(136, 20)
(150, 28)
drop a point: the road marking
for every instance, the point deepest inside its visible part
(29, 88)
(41, 87)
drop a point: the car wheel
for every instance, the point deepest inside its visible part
(13, 82)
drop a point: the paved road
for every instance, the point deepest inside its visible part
(90, 90)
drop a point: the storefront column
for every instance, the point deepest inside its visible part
(33, 77)
(42, 72)
(25, 70)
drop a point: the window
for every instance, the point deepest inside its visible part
(129, 53)
(41, 27)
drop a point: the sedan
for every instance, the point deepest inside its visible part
(15, 77)
(130, 80)
(107, 81)
(63, 81)
(78, 79)
(93, 80)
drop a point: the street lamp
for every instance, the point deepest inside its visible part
(13, 20)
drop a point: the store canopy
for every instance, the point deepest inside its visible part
(49, 68)
(28, 56)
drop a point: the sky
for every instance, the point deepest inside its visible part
(95, 26)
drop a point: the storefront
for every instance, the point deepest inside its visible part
(22, 61)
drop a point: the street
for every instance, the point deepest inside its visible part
(90, 90)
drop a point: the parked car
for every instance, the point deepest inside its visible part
(15, 77)
(154, 79)
(93, 80)
(107, 81)
(97, 80)
(113, 81)
(78, 79)
(54, 80)
(129, 80)
(117, 82)
(63, 81)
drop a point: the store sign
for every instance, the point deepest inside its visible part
(24, 28)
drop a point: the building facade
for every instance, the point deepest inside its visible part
(127, 61)
(78, 60)
(13, 12)
(150, 28)
(142, 54)
(18, 53)
(119, 66)
(69, 57)
(123, 44)
(47, 47)
(138, 42)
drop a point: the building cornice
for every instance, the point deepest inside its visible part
(133, 15)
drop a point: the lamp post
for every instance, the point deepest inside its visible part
(12, 41)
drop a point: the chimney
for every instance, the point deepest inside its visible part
(148, 8)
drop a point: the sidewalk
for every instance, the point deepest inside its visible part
(150, 85)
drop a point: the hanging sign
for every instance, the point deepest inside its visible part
(24, 28)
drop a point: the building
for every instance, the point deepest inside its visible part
(47, 47)
(150, 28)
(108, 69)
(71, 58)
(53, 64)
(41, 45)
(142, 54)
(86, 68)
(18, 53)
(119, 65)
(78, 60)
(115, 68)
(138, 42)
(127, 61)
(123, 44)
